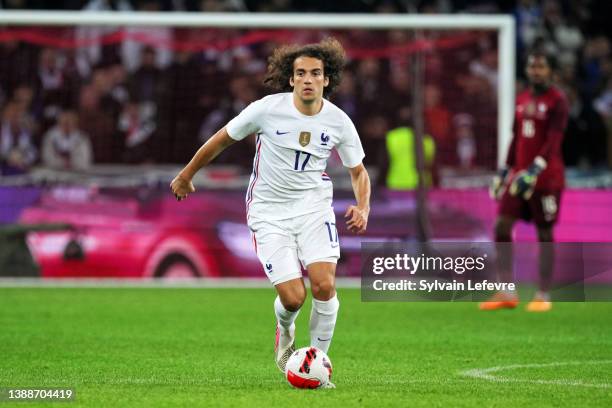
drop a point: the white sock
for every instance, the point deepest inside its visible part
(323, 321)
(285, 318)
(545, 296)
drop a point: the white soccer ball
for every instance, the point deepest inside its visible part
(308, 367)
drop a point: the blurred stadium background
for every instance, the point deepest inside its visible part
(137, 102)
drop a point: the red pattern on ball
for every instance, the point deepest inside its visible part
(300, 382)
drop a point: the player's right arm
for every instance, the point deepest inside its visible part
(182, 184)
(247, 122)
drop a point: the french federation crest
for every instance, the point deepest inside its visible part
(304, 138)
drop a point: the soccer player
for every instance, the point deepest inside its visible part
(530, 185)
(289, 198)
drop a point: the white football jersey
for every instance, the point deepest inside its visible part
(291, 155)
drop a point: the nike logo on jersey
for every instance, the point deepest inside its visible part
(278, 132)
(320, 339)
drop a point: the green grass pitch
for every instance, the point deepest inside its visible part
(138, 347)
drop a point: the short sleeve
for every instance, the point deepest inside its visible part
(247, 122)
(349, 148)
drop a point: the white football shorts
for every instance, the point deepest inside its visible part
(284, 246)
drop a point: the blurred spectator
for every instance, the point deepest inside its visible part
(595, 60)
(117, 77)
(398, 93)
(145, 82)
(181, 110)
(585, 136)
(345, 96)
(398, 157)
(104, 85)
(485, 67)
(528, 15)
(50, 70)
(369, 80)
(22, 67)
(434, 68)
(23, 96)
(242, 93)
(100, 126)
(65, 146)
(137, 125)
(466, 140)
(244, 62)
(55, 86)
(560, 37)
(17, 151)
(372, 132)
(478, 98)
(438, 123)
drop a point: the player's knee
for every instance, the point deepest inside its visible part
(503, 230)
(293, 301)
(293, 304)
(324, 289)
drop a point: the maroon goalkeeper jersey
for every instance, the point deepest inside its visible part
(539, 124)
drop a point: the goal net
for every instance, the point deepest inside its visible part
(151, 88)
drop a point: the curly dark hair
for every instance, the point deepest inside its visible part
(551, 60)
(280, 64)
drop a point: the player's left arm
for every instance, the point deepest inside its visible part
(357, 215)
(556, 129)
(525, 181)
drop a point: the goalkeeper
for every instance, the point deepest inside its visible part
(530, 185)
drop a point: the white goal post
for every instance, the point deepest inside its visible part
(504, 24)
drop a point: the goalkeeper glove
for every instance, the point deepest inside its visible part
(496, 188)
(524, 182)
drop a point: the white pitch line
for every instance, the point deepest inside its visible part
(195, 283)
(485, 374)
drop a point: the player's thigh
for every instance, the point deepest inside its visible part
(513, 207)
(317, 238)
(277, 251)
(545, 206)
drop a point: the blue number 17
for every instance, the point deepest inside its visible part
(332, 231)
(297, 160)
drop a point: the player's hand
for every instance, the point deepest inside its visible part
(357, 219)
(524, 182)
(181, 187)
(498, 184)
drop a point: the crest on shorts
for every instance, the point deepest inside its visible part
(304, 138)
